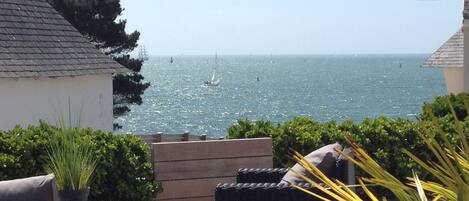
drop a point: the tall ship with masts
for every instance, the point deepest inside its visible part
(142, 54)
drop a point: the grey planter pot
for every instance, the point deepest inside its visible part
(74, 195)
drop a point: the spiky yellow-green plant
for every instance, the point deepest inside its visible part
(450, 170)
(339, 191)
(71, 161)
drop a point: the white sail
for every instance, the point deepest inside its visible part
(213, 76)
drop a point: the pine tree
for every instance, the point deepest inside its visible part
(96, 19)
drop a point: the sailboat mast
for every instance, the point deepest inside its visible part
(216, 59)
(142, 53)
(216, 66)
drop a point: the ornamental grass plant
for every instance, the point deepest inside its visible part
(70, 160)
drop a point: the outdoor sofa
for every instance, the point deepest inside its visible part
(256, 184)
(40, 188)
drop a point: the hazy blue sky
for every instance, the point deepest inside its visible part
(173, 27)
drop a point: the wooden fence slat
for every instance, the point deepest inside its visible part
(203, 137)
(186, 136)
(172, 138)
(160, 137)
(191, 188)
(176, 170)
(168, 151)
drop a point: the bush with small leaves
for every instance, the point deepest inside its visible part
(123, 173)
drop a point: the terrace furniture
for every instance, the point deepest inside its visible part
(190, 170)
(266, 184)
(40, 188)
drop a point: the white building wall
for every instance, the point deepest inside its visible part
(466, 56)
(454, 79)
(25, 101)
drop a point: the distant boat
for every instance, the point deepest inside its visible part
(171, 60)
(271, 60)
(142, 54)
(213, 81)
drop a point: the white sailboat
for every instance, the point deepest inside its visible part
(213, 81)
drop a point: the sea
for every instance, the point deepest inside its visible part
(278, 88)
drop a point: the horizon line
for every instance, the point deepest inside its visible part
(287, 54)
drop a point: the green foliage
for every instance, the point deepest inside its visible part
(302, 134)
(251, 129)
(71, 159)
(440, 108)
(382, 138)
(123, 170)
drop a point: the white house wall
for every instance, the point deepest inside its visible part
(454, 79)
(25, 101)
(465, 80)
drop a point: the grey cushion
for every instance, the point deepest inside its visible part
(41, 188)
(325, 159)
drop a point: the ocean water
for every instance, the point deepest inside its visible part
(322, 87)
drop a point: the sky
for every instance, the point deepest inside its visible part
(244, 27)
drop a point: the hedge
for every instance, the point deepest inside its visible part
(440, 107)
(124, 172)
(382, 138)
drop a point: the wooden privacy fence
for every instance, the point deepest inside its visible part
(186, 136)
(190, 171)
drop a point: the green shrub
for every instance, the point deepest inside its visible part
(440, 108)
(123, 172)
(304, 135)
(382, 138)
(250, 129)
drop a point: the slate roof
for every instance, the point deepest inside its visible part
(36, 41)
(450, 55)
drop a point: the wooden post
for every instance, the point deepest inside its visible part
(185, 136)
(159, 137)
(203, 137)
